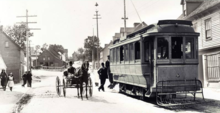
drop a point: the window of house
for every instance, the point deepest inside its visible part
(137, 50)
(162, 48)
(208, 30)
(184, 9)
(122, 53)
(48, 58)
(6, 44)
(177, 47)
(114, 55)
(146, 50)
(131, 51)
(44, 58)
(189, 48)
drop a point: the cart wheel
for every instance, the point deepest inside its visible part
(58, 86)
(90, 86)
(64, 88)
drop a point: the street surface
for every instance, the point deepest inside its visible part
(45, 100)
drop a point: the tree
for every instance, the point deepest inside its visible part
(81, 55)
(37, 49)
(91, 43)
(18, 34)
(44, 47)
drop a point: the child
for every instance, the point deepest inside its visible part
(10, 81)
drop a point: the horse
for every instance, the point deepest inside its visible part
(83, 78)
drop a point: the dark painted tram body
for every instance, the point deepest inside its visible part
(157, 55)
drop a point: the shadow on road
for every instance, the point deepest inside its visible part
(207, 106)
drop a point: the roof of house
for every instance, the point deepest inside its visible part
(140, 26)
(204, 6)
(12, 40)
(128, 30)
(182, 1)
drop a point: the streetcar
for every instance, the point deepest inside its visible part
(159, 60)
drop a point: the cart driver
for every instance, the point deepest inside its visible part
(71, 70)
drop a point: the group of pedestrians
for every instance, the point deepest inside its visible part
(27, 78)
(6, 80)
(9, 79)
(105, 73)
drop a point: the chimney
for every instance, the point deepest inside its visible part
(136, 24)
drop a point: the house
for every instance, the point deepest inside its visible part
(120, 36)
(105, 52)
(12, 55)
(47, 58)
(205, 17)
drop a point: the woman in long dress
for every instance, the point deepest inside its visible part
(11, 81)
(4, 79)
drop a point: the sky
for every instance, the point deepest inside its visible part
(69, 22)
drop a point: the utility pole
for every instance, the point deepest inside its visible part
(97, 17)
(125, 18)
(93, 62)
(27, 38)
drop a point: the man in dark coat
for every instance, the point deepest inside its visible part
(24, 77)
(102, 76)
(110, 77)
(29, 78)
(4, 79)
(71, 70)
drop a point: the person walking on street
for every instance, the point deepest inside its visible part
(29, 78)
(102, 76)
(4, 79)
(10, 81)
(24, 77)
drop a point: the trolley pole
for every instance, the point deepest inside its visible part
(125, 18)
(27, 29)
(97, 17)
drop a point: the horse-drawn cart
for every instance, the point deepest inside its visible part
(80, 80)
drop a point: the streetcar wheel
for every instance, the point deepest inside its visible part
(142, 93)
(90, 85)
(58, 86)
(120, 87)
(64, 88)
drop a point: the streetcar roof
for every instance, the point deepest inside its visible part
(163, 26)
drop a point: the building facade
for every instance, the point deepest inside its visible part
(205, 16)
(12, 55)
(46, 58)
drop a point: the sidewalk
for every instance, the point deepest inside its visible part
(211, 93)
(8, 99)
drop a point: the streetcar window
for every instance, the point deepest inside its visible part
(118, 54)
(122, 53)
(114, 55)
(111, 55)
(162, 48)
(177, 45)
(137, 50)
(189, 48)
(131, 51)
(126, 53)
(146, 50)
